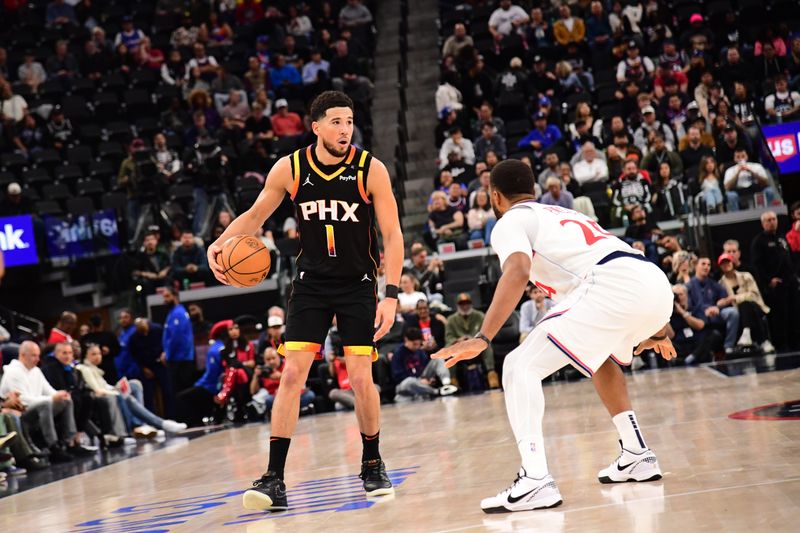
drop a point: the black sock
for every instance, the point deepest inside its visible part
(278, 449)
(370, 447)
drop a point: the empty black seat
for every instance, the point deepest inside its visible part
(36, 177)
(90, 134)
(81, 205)
(101, 170)
(115, 200)
(76, 109)
(47, 207)
(56, 192)
(106, 105)
(48, 157)
(89, 187)
(13, 162)
(79, 155)
(68, 174)
(111, 151)
(119, 131)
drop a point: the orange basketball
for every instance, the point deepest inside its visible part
(245, 260)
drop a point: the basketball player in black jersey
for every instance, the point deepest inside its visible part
(339, 192)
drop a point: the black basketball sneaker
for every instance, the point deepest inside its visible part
(376, 482)
(268, 494)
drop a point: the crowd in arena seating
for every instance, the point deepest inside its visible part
(180, 105)
(622, 104)
(633, 113)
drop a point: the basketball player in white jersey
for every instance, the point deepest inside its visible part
(609, 299)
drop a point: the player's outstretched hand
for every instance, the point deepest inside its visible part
(663, 347)
(460, 351)
(212, 254)
(384, 317)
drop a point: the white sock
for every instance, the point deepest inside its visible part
(534, 461)
(629, 432)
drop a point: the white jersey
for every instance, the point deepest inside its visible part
(564, 245)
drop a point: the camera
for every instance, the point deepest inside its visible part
(266, 369)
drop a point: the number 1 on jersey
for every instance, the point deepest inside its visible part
(331, 240)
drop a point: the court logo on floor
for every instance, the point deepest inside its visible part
(774, 411)
(333, 495)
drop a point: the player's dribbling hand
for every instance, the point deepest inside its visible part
(384, 317)
(662, 347)
(219, 273)
(460, 351)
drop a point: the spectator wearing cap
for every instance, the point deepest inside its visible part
(60, 13)
(272, 336)
(542, 137)
(712, 301)
(129, 36)
(463, 325)
(489, 140)
(31, 72)
(743, 289)
(598, 29)
(632, 189)
(634, 67)
(459, 145)
(14, 202)
(783, 104)
(568, 30)
(697, 36)
(644, 136)
(457, 41)
(541, 80)
(286, 123)
(745, 178)
(59, 129)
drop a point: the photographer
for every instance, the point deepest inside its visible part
(265, 382)
(692, 340)
(208, 167)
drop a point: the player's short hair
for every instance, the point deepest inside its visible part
(512, 177)
(327, 100)
(413, 334)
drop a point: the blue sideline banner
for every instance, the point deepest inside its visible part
(17, 241)
(784, 143)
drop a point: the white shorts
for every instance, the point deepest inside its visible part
(616, 306)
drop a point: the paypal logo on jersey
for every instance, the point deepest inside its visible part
(17, 241)
(347, 178)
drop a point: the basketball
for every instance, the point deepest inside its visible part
(245, 260)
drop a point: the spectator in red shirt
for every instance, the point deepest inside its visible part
(286, 123)
(238, 361)
(265, 382)
(62, 331)
(337, 366)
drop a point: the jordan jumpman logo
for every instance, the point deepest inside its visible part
(308, 180)
(366, 278)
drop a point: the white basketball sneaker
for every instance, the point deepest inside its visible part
(525, 494)
(631, 466)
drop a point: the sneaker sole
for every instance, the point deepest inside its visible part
(608, 481)
(380, 492)
(256, 501)
(501, 509)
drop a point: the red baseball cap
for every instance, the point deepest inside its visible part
(725, 257)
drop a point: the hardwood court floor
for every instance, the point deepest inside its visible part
(444, 456)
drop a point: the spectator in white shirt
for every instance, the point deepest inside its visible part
(12, 106)
(447, 96)
(45, 408)
(31, 72)
(458, 145)
(782, 104)
(506, 19)
(746, 178)
(590, 168)
(533, 310)
(409, 294)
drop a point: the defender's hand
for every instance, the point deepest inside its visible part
(662, 347)
(216, 268)
(384, 317)
(460, 351)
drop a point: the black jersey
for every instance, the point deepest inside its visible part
(335, 217)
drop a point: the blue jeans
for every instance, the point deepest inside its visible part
(484, 234)
(135, 413)
(266, 399)
(730, 316)
(733, 198)
(713, 197)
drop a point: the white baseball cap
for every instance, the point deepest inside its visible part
(274, 322)
(281, 102)
(14, 188)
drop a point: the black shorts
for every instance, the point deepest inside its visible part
(314, 303)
